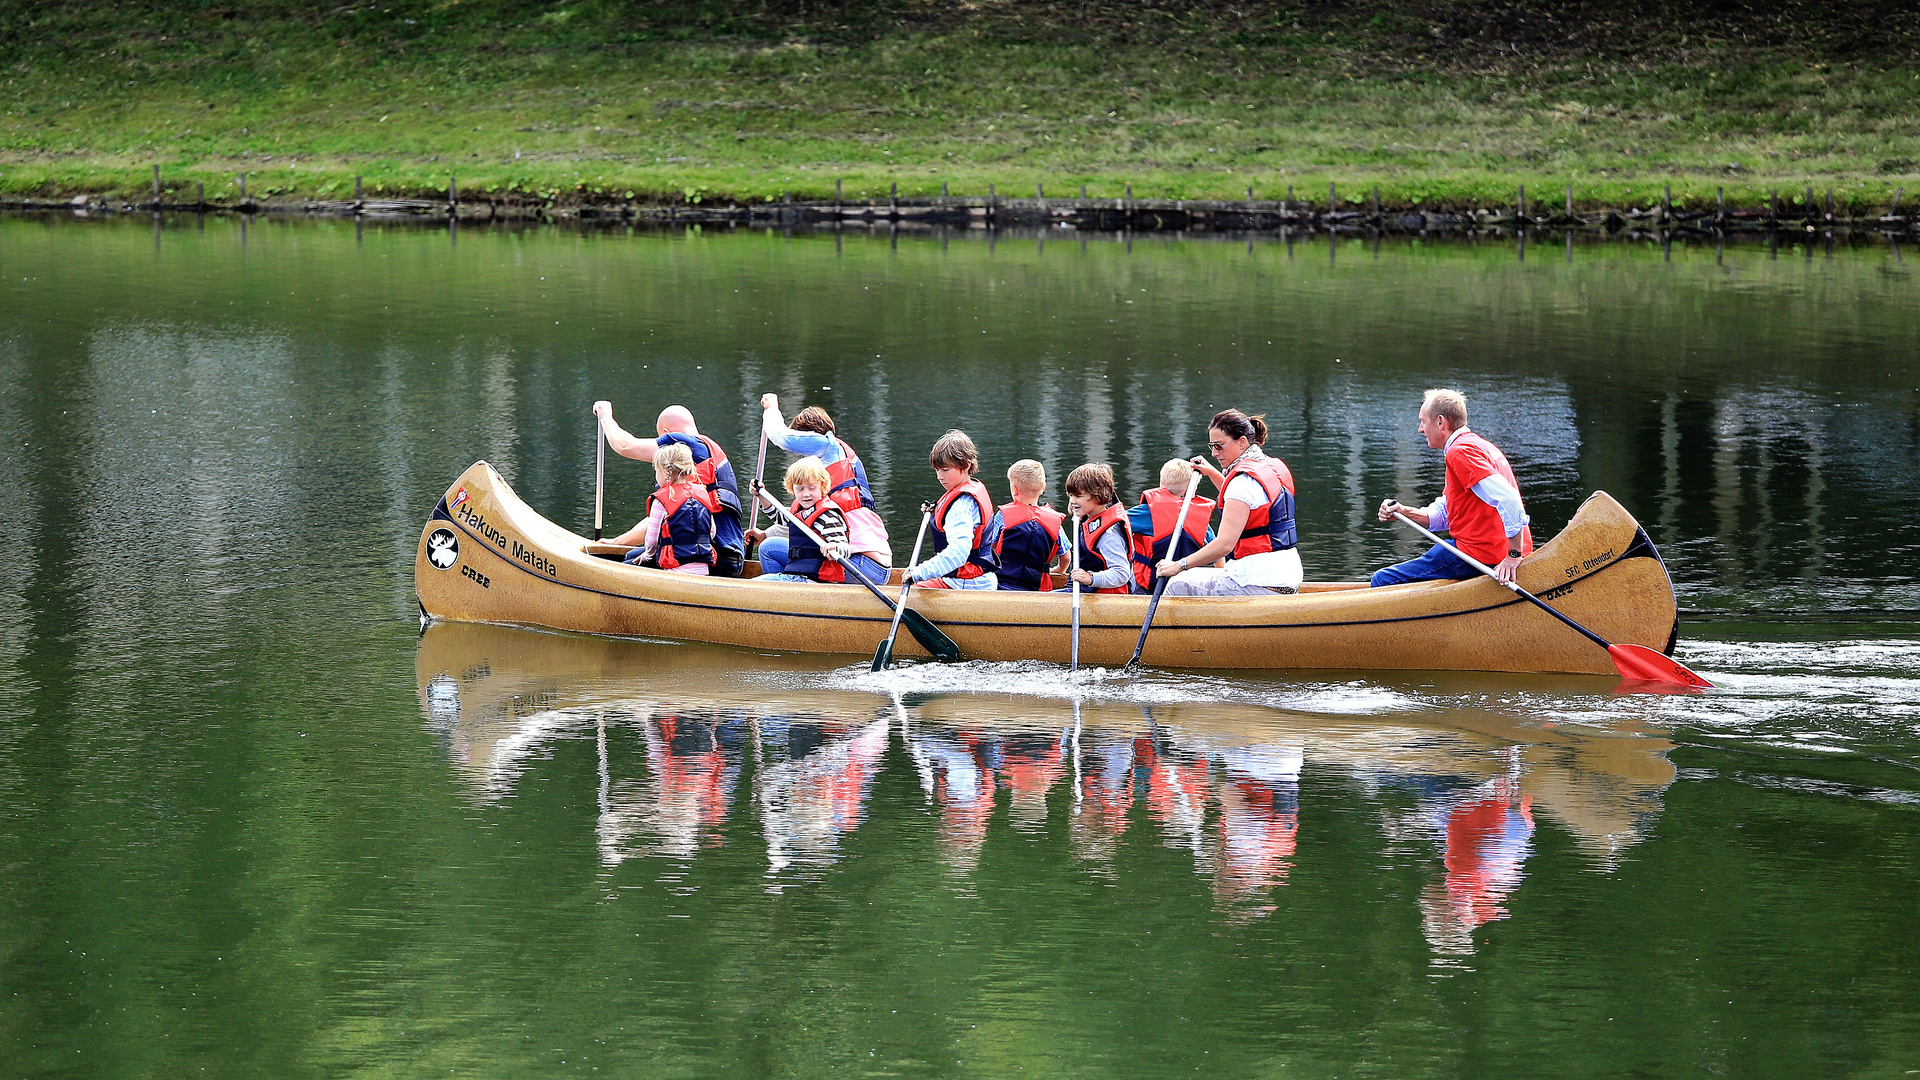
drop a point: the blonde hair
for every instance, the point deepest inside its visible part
(672, 464)
(955, 450)
(1027, 475)
(808, 470)
(1450, 404)
(1093, 480)
(1174, 475)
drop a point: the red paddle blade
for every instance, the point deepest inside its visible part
(1642, 663)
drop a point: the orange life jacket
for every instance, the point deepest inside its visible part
(1150, 548)
(981, 560)
(847, 480)
(1091, 530)
(1269, 527)
(686, 534)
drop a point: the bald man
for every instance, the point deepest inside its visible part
(676, 425)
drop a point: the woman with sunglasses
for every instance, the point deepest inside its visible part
(1257, 528)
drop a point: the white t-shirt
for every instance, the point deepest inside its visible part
(1267, 569)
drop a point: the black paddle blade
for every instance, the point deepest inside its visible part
(882, 654)
(930, 637)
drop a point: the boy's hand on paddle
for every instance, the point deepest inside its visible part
(1084, 577)
(756, 535)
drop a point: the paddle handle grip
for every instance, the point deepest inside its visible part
(1513, 585)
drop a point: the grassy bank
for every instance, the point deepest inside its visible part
(1448, 102)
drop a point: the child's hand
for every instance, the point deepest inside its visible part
(1084, 577)
(838, 552)
(756, 535)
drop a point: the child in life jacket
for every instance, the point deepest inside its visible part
(807, 481)
(965, 526)
(1106, 542)
(678, 531)
(1152, 522)
(1029, 533)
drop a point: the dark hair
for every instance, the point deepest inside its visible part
(1093, 480)
(1235, 424)
(955, 451)
(815, 419)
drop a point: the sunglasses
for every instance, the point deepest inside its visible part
(1216, 447)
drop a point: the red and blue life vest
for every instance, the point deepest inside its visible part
(1095, 527)
(1029, 544)
(711, 470)
(1150, 548)
(847, 480)
(686, 536)
(1269, 527)
(803, 555)
(981, 559)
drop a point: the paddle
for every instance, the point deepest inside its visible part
(1074, 568)
(1632, 661)
(1160, 586)
(928, 635)
(883, 653)
(759, 477)
(599, 475)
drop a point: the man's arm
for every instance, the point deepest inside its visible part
(618, 438)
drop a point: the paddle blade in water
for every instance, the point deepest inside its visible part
(930, 637)
(883, 654)
(1642, 663)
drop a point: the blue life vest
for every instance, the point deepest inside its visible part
(711, 469)
(686, 534)
(804, 557)
(1029, 544)
(1091, 530)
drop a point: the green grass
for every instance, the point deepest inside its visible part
(1451, 103)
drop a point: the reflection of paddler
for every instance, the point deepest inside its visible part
(693, 764)
(1106, 795)
(1030, 765)
(1257, 529)
(961, 784)
(808, 803)
(1259, 829)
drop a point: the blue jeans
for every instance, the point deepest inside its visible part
(856, 563)
(1440, 564)
(773, 554)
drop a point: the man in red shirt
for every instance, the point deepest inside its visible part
(1481, 506)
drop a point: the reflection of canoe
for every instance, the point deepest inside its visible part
(486, 556)
(502, 693)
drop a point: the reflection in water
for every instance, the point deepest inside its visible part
(676, 730)
(816, 795)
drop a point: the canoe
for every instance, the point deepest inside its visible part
(486, 556)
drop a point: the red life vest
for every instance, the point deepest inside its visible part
(1149, 549)
(686, 535)
(981, 559)
(1091, 530)
(1474, 524)
(846, 480)
(1029, 543)
(1269, 527)
(803, 555)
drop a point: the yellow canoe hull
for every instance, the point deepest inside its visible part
(486, 556)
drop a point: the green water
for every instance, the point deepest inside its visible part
(253, 823)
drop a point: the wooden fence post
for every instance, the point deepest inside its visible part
(1569, 201)
(156, 187)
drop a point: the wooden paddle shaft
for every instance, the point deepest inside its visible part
(906, 582)
(1160, 587)
(1514, 585)
(599, 476)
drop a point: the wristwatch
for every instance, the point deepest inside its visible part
(1513, 553)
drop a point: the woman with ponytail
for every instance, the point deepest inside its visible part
(1257, 531)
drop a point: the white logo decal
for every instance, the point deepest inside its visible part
(442, 548)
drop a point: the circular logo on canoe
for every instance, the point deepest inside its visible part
(442, 548)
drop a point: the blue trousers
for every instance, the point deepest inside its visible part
(1439, 564)
(856, 563)
(773, 554)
